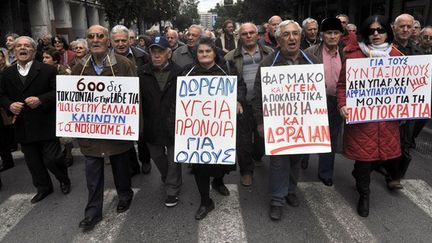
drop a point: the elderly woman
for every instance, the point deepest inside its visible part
(81, 50)
(207, 64)
(62, 46)
(374, 143)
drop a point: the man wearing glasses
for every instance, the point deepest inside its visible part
(102, 62)
(426, 39)
(246, 58)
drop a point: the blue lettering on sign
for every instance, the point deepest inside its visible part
(379, 91)
(98, 118)
(214, 86)
(207, 157)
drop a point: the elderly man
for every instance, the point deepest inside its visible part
(158, 84)
(403, 28)
(269, 37)
(121, 45)
(102, 62)
(331, 55)
(310, 33)
(284, 169)
(415, 37)
(185, 55)
(426, 39)
(352, 28)
(347, 37)
(227, 40)
(246, 59)
(173, 39)
(27, 89)
(132, 38)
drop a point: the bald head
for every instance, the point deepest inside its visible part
(248, 35)
(274, 21)
(172, 37)
(403, 28)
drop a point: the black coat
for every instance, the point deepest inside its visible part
(36, 124)
(157, 105)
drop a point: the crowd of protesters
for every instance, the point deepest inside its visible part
(28, 72)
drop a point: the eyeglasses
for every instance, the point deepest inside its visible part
(380, 30)
(58, 41)
(91, 36)
(427, 37)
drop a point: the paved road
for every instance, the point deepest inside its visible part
(325, 214)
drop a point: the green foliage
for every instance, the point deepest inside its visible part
(188, 15)
(132, 11)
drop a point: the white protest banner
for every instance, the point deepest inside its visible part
(388, 88)
(206, 112)
(98, 107)
(295, 110)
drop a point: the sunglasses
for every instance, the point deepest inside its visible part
(91, 36)
(58, 41)
(380, 30)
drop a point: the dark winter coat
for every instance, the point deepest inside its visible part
(156, 104)
(37, 124)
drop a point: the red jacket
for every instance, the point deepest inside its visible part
(373, 141)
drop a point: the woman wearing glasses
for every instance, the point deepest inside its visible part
(62, 46)
(80, 49)
(375, 143)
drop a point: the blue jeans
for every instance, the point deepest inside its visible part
(284, 173)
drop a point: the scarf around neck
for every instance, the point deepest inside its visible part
(371, 50)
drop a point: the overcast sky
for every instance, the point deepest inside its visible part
(206, 5)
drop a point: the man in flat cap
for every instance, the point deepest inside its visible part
(331, 55)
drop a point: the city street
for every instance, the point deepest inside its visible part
(326, 214)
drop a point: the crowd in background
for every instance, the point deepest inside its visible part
(27, 100)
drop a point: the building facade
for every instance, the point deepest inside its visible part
(360, 10)
(69, 18)
(208, 20)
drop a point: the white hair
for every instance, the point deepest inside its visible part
(256, 28)
(285, 23)
(32, 41)
(119, 29)
(308, 21)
